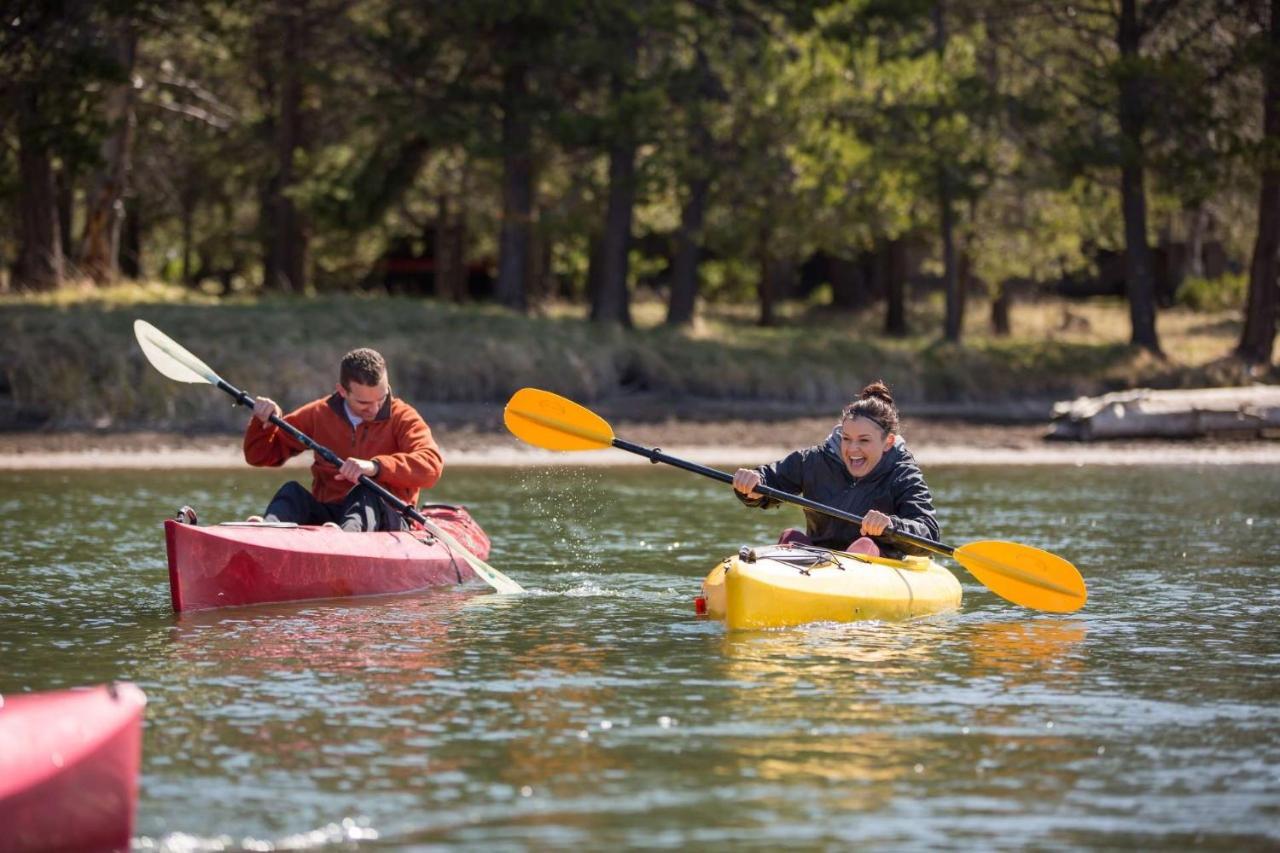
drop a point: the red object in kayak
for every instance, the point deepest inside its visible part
(69, 768)
(229, 565)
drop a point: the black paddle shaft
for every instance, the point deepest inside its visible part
(323, 452)
(655, 455)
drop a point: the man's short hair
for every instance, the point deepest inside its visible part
(362, 365)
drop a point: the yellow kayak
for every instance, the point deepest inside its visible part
(781, 585)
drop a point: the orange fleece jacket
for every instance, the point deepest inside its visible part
(398, 439)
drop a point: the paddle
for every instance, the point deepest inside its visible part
(1018, 573)
(170, 358)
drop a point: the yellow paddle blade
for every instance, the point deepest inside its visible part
(548, 420)
(1025, 575)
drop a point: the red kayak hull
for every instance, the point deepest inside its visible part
(69, 768)
(238, 564)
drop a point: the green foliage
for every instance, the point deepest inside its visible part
(815, 126)
(1214, 294)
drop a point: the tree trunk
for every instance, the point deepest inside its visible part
(517, 191)
(1000, 311)
(946, 210)
(684, 275)
(285, 232)
(99, 257)
(1257, 339)
(1197, 220)
(40, 264)
(595, 262)
(613, 300)
(449, 254)
(950, 266)
(187, 203)
(66, 190)
(768, 296)
(131, 239)
(540, 282)
(1139, 281)
(893, 273)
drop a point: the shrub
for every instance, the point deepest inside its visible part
(1214, 294)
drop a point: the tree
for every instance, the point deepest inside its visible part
(1117, 90)
(1258, 336)
(99, 256)
(695, 91)
(48, 56)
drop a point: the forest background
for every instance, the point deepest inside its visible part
(979, 200)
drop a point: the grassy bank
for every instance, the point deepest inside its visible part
(70, 360)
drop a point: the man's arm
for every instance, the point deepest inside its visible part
(417, 463)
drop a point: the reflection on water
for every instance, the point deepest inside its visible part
(597, 712)
(1027, 650)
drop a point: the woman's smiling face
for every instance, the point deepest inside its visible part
(862, 443)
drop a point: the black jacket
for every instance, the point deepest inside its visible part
(895, 487)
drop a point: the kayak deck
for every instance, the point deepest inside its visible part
(785, 585)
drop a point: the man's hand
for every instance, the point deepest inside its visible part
(874, 523)
(353, 468)
(745, 481)
(264, 408)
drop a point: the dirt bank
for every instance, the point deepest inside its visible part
(728, 441)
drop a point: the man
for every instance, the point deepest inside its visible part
(380, 436)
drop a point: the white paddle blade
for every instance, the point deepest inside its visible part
(171, 358)
(486, 572)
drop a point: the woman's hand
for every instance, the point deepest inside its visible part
(745, 481)
(874, 523)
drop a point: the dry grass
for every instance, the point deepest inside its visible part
(69, 358)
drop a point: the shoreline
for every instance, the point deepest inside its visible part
(717, 443)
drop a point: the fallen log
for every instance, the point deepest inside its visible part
(1145, 413)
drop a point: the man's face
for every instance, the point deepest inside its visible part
(365, 400)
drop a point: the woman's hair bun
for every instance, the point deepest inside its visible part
(877, 389)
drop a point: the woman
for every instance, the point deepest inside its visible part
(863, 468)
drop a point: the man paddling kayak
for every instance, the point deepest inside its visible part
(382, 437)
(863, 468)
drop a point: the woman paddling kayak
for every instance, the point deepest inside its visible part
(864, 468)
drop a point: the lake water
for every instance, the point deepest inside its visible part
(596, 711)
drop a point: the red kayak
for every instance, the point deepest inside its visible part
(228, 565)
(69, 768)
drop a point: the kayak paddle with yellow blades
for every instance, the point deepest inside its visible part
(174, 361)
(1019, 573)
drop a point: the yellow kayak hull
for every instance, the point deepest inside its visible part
(772, 588)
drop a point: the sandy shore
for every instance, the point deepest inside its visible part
(720, 443)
